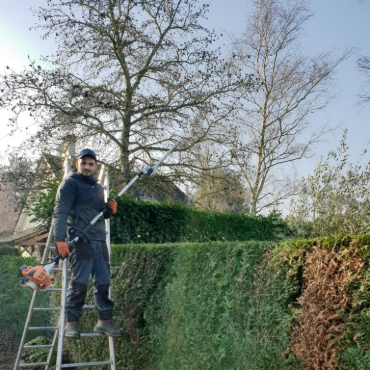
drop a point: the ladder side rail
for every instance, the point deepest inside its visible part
(30, 310)
(107, 225)
(51, 352)
(48, 242)
(44, 258)
(67, 167)
(62, 314)
(25, 330)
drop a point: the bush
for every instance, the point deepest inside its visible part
(145, 222)
(8, 250)
(15, 300)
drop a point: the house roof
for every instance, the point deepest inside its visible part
(18, 236)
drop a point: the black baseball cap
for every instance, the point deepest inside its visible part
(87, 152)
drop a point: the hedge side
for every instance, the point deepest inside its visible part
(196, 306)
(145, 222)
(332, 325)
(301, 304)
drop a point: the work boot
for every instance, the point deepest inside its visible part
(71, 330)
(106, 327)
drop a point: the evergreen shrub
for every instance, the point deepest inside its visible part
(301, 304)
(196, 306)
(146, 222)
(15, 300)
(8, 250)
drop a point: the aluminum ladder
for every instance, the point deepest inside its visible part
(58, 338)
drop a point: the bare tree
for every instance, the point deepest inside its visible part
(273, 126)
(217, 186)
(128, 75)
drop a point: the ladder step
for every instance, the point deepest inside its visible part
(59, 269)
(53, 290)
(43, 327)
(39, 346)
(59, 308)
(88, 364)
(91, 335)
(32, 364)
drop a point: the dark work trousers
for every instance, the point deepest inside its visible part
(85, 260)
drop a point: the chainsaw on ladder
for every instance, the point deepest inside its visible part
(37, 278)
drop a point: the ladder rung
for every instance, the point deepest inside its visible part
(91, 335)
(52, 247)
(59, 269)
(88, 364)
(89, 306)
(39, 346)
(46, 308)
(32, 364)
(43, 327)
(53, 290)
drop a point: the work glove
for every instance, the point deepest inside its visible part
(62, 249)
(111, 206)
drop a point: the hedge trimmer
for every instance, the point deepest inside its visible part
(37, 277)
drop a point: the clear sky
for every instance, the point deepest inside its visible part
(336, 25)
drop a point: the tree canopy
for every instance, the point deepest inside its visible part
(128, 76)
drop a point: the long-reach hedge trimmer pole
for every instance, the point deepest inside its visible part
(37, 277)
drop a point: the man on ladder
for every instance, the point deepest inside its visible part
(79, 200)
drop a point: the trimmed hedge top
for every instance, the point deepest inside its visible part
(145, 222)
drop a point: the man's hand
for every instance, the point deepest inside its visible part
(111, 207)
(62, 249)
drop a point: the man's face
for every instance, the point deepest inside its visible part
(86, 166)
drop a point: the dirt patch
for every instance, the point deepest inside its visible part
(7, 359)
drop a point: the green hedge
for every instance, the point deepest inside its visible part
(223, 305)
(196, 306)
(9, 251)
(145, 222)
(214, 305)
(15, 300)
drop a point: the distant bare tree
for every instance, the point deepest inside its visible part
(273, 128)
(364, 66)
(217, 186)
(130, 76)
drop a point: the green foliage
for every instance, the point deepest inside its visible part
(356, 354)
(197, 306)
(145, 222)
(15, 300)
(35, 355)
(335, 199)
(40, 203)
(221, 305)
(8, 250)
